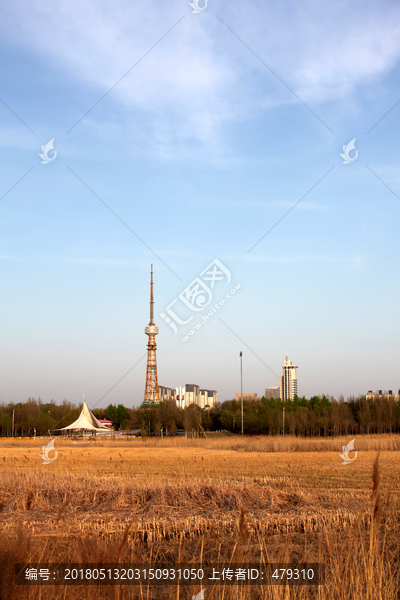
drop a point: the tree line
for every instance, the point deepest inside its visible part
(317, 416)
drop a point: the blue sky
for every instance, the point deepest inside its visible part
(200, 150)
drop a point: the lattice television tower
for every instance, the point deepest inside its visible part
(151, 391)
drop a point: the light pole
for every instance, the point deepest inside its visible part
(241, 384)
(13, 423)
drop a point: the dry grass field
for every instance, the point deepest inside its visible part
(205, 501)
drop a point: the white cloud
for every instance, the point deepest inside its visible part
(323, 50)
(200, 76)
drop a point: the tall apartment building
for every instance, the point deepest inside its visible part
(288, 381)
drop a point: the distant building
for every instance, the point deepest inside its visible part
(288, 381)
(372, 395)
(215, 397)
(252, 397)
(192, 394)
(167, 393)
(106, 423)
(208, 398)
(272, 392)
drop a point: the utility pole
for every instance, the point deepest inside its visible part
(241, 384)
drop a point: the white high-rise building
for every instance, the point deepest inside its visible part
(192, 394)
(288, 382)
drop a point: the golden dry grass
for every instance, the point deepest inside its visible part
(286, 443)
(184, 498)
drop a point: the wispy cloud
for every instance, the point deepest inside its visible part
(299, 258)
(260, 205)
(200, 77)
(87, 261)
(301, 206)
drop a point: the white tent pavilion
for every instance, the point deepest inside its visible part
(86, 421)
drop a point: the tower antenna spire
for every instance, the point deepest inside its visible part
(151, 299)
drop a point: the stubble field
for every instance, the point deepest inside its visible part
(253, 500)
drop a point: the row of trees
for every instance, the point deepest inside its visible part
(320, 415)
(36, 415)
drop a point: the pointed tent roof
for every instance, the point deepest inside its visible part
(86, 420)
